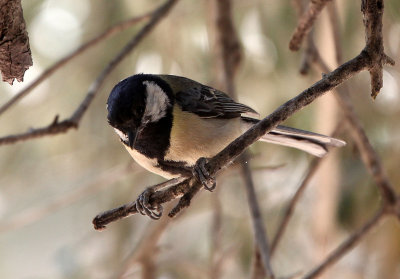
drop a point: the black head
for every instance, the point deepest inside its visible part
(136, 101)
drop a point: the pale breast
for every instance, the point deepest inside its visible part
(149, 164)
(193, 137)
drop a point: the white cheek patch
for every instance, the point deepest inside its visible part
(121, 135)
(156, 102)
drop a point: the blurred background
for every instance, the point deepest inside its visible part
(52, 187)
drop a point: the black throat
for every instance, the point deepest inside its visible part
(154, 139)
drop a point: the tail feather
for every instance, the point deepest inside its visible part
(313, 143)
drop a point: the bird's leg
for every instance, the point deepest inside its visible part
(203, 176)
(143, 204)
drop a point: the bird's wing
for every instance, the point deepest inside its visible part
(208, 102)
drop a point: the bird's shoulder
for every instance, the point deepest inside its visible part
(203, 100)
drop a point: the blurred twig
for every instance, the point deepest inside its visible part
(258, 223)
(216, 258)
(312, 169)
(57, 127)
(33, 214)
(229, 57)
(306, 22)
(119, 27)
(145, 251)
(347, 245)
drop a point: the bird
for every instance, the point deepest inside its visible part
(170, 124)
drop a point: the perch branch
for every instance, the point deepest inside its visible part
(73, 122)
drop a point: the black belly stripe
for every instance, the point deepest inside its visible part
(154, 140)
(173, 167)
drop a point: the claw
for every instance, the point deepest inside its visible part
(203, 176)
(145, 208)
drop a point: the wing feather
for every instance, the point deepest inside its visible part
(208, 102)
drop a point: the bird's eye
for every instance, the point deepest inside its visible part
(138, 112)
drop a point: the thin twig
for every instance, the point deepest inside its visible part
(119, 27)
(312, 169)
(257, 269)
(73, 122)
(33, 214)
(216, 259)
(306, 21)
(347, 245)
(229, 54)
(258, 223)
(335, 23)
(145, 251)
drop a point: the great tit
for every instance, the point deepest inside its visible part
(168, 122)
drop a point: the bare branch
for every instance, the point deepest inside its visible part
(306, 21)
(15, 53)
(312, 169)
(35, 213)
(258, 223)
(146, 250)
(126, 210)
(347, 245)
(73, 122)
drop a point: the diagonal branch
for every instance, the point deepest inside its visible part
(312, 169)
(347, 245)
(73, 122)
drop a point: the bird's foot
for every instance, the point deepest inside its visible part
(203, 176)
(144, 207)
